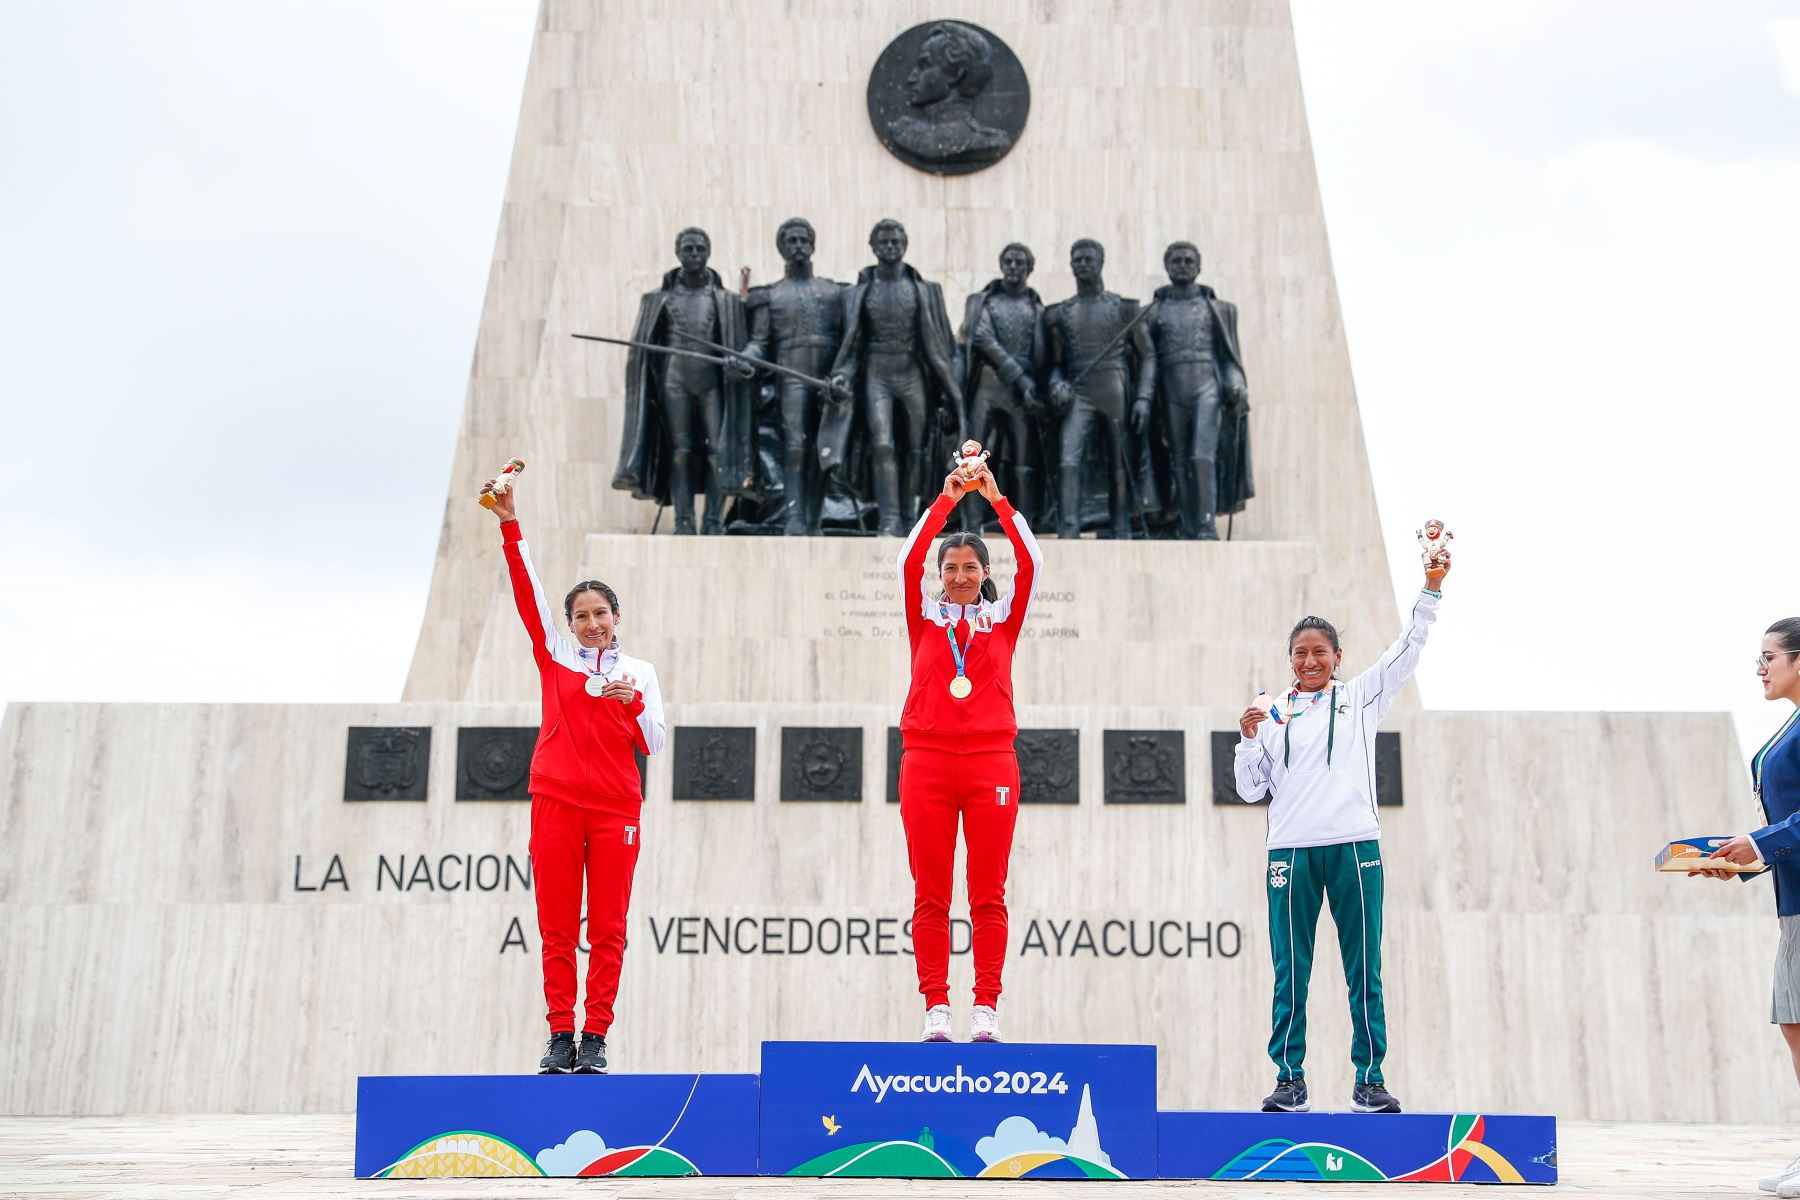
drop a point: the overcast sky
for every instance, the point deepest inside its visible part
(242, 244)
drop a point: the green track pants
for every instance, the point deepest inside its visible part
(1349, 875)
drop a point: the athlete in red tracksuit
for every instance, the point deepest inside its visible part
(957, 734)
(600, 707)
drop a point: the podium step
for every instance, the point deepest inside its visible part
(1358, 1147)
(458, 1126)
(917, 1110)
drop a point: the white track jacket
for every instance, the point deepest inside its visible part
(1316, 803)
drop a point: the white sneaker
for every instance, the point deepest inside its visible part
(937, 1023)
(1788, 1187)
(1772, 1183)
(984, 1024)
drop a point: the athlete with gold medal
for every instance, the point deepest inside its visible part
(957, 731)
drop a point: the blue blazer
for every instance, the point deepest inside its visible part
(1779, 841)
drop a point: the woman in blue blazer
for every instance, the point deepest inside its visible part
(1775, 776)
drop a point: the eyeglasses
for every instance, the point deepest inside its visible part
(1766, 659)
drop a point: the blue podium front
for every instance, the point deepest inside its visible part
(1358, 1147)
(956, 1110)
(413, 1126)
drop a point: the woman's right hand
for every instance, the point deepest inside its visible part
(503, 502)
(1251, 719)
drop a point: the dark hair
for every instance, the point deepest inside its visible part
(966, 49)
(888, 223)
(972, 541)
(1090, 244)
(1174, 246)
(794, 223)
(1787, 629)
(588, 585)
(1022, 248)
(1319, 623)
(694, 229)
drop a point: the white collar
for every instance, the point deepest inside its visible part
(944, 612)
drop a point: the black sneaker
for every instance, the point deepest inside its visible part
(559, 1055)
(1372, 1097)
(591, 1058)
(1289, 1096)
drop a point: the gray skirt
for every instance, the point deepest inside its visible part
(1787, 974)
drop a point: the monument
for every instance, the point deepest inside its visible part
(344, 888)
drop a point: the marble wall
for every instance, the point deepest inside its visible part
(173, 937)
(1151, 120)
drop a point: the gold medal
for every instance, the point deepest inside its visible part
(960, 687)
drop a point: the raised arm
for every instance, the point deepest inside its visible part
(1029, 557)
(1380, 685)
(911, 561)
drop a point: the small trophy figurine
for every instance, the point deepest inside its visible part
(1434, 543)
(970, 462)
(502, 482)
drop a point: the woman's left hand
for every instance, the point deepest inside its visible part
(1740, 850)
(621, 690)
(1434, 574)
(990, 491)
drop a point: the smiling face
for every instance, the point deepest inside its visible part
(592, 620)
(797, 244)
(1313, 660)
(693, 250)
(1779, 670)
(1183, 265)
(1015, 268)
(962, 575)
(930, 79)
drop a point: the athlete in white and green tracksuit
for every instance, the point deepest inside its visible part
(1312, 750)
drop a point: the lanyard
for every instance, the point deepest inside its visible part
(599, 657)
(1287, 730)
(1756, 763)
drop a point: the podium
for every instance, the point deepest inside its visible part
(948, 1110)
(1347, 1147)
(913, 1110)
(459, 1126)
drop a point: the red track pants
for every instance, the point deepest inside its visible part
(935, 788)
(568, 841)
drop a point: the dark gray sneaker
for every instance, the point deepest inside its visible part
(591, 1058)
(1372, 1097)
(559, 1055)
(1289, 1096)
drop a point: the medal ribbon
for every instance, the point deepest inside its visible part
(957, 652)
(1294, 710)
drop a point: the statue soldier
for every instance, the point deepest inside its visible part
(1200, 377)
(1091, 340)
(897, 358)
(797, 322)
(1004, 362)
(696, 413)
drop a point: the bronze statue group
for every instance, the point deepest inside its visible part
(808, 406)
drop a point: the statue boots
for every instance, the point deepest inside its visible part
(712, 523)
(796, 501)
(1197, 513)
(1069, 519)
(681, 482)
(887, 493)
(1121, 507)
(1025, 484)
